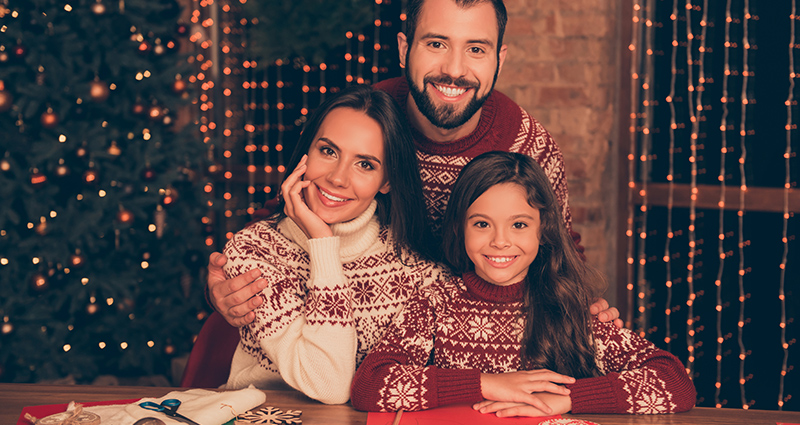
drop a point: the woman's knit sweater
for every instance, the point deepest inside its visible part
(328, 302)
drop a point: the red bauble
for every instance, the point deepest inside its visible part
(77, 260)
(182, 29)
(91, 175)
(125, 216)
(37, 178)
(148, 174)
(98, 91)
(39, 282)
(179, 86)
(49, 119)
(19, 51)
(144, 47)
(138, 108)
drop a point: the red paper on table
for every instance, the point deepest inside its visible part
(51, 409)
(451, 415)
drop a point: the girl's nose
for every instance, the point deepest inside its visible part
(339, 175)
(499, 239)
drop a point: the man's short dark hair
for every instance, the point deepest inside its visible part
(415, 6)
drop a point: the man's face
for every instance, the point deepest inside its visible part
(452, 63)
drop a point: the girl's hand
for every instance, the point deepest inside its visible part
(558, 403)
(525, 386)
(296, 207)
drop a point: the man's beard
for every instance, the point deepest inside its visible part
(446, 116)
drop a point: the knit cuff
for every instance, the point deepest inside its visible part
(458, 386)
(325, 262)
(595, 395)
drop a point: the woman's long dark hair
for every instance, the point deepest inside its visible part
(559, 285)
(403, 208)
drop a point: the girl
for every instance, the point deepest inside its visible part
(513, 334)
(345, 252)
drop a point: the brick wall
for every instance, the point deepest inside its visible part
(562, 67)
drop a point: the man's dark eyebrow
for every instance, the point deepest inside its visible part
(338, 149)
(484, 41)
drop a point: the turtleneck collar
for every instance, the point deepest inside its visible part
(490, 292)
(488, 112)
(355, 236)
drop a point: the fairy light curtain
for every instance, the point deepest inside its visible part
(711, 237)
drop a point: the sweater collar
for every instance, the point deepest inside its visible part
(355, 236)
(488, 112)
(490, 292)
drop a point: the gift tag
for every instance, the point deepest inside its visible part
(83, 418)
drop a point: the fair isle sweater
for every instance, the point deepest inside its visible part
(327, 303)
(504, 126)
(472, 326)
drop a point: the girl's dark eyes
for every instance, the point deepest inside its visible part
(481, 224)
(326, 150)
(519, 225)
(366, 165)
(435, 44)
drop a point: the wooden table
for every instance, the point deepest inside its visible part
(13, 397)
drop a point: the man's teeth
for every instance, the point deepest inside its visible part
(331, 197)
(450, 91)
(500, 259)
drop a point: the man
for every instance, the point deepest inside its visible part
(453, 52)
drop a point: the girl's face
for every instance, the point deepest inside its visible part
(345, 166)
(501, 236)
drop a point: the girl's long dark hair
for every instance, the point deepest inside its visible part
(559, 285)
(403, 208)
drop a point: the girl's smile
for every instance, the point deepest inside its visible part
(502, 234)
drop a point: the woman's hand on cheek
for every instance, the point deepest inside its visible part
(525, 387)
(296, 207)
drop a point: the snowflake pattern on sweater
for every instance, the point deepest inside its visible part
(327, 302)
(474, 327)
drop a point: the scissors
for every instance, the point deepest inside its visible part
(168, 407)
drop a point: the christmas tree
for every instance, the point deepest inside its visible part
(101, 240)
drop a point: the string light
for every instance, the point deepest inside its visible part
(670, 176)
(786, 188)
(742, 186)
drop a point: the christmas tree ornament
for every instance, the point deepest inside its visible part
(114, 149)
(169, 349)
(39, 282)
(49, 119)
(7, 328)
(19, 51)
(181, 29)
(6, 99)
(61, 169)
(98, 90)
(80, 152)
(167, 120)
(124, 216)
(37, 178)
(160, 219)
(159, 49)
(98, 8)
(92, 308)
(5, 164)
(170, 196)
(148, 174)
(155, 112)
(41, 228)
(77, 260)
(179, 86)
(3, 56)
(138, 107)
(91, 175)
(144, 47)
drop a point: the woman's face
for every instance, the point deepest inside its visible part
(345, 166)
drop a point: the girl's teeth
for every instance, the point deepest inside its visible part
(450, 91)
(501, 259)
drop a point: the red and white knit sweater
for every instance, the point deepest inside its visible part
(472, 326)
(504, 126)
(327, 303)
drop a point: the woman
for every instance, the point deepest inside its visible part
(346, 250)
